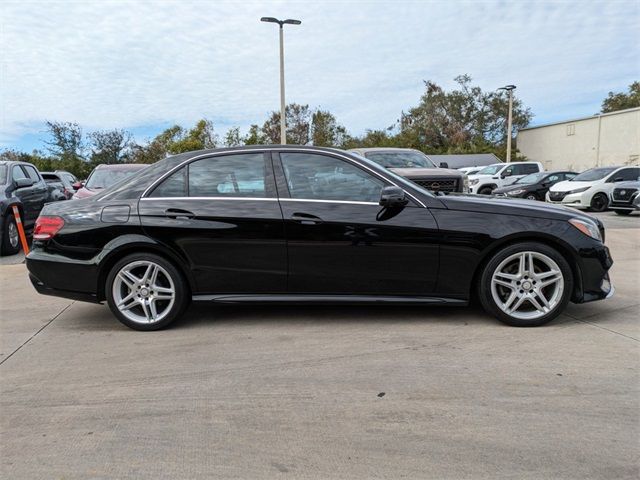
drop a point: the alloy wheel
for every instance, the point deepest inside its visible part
(527, 285)
(13, 234)
(599, 202)
(143, 292)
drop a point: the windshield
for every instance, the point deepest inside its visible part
(593, 174)
(531, 178)
(103, 178)
(400, 159)
(490, 170)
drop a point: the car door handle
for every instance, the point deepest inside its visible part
(177, 213)
(305, 218)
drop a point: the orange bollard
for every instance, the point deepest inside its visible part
(23, 237)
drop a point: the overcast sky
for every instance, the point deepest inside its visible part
(144, 65)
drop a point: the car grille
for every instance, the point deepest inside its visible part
(557, 196)
(623, 194)
(439, 185)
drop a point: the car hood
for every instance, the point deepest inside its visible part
(511, 206)
(426, 172)
(567, 186)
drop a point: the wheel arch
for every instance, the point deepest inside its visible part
(147, 245)
(561, 247)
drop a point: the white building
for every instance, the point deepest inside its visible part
(601, 140)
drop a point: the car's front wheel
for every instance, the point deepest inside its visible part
(599, 202)
(146, 292)
(485, 191)
(531, 196)
(526, 284)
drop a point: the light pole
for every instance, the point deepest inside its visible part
(289, 21)
(509, 89)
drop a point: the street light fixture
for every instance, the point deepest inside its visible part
(509, 89)
(289, 21)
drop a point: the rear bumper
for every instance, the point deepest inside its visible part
(44, 290)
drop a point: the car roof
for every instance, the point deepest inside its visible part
(121, 166)
(384, 149)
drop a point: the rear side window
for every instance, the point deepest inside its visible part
(530, 168)
(17, 173)
(241, 175)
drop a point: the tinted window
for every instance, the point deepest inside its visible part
(318, 177)
(16, 173)
(33, 174)
(529, 168)
(627, 174)
(552, 179)
(173, 186)
(241, 175)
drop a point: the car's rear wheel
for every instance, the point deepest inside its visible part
(10, 237)
(526, 284)
(146, 292)
(623, 212)
(599, 202)
(485, 191)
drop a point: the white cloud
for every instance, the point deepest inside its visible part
(108, 64)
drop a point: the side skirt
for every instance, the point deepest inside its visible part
(330, 299)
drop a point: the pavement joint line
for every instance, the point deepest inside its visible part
(607, 329)
(34, 335)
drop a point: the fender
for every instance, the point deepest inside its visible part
(126, 244)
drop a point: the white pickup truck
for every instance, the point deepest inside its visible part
(500, 175)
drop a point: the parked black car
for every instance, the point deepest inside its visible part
(60, 185)
(21, 185)
(290, 224)
(534, 186)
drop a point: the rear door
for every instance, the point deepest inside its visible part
(340, 241)
(221, 215)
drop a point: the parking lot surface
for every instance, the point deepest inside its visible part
(322, 392)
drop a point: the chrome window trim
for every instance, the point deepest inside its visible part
(350, 202)
(277, 149)
(257, 199)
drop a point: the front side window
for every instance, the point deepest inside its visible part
(319, 177)
(627, 174)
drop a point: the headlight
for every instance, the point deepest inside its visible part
(474, 181)
(590, 229)
(520, 191)
(579, 190)
(465, 184)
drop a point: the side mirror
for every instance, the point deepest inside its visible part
(444, 165)
(506, 174)
(77, 185)
(23, 182)
(392, 197)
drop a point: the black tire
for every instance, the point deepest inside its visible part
(531, 196)
(8, 224)
(181, 291)
(623, 212)
(485, 191)
(599, 202)
(484, 286)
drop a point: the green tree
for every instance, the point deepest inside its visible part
(255, 136)
(109, 146)
(232, 138)
(66, 145)
(621, 100)
(326, 131)
(298, 119)
(466, 119)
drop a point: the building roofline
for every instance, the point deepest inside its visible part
(572, 120)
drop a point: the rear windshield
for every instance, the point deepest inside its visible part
(593, 174)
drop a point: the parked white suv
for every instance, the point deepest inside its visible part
(500, 175)
(591, 189)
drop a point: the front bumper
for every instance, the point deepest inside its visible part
(576, 200)
(593, 281)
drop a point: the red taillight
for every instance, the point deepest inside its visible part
(46, 227)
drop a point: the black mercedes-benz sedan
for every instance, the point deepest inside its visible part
(291, 224)
(534, 186)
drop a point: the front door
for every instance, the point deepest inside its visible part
(340, 241)
(221, 214)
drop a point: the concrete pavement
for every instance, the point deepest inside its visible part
(323, 392)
